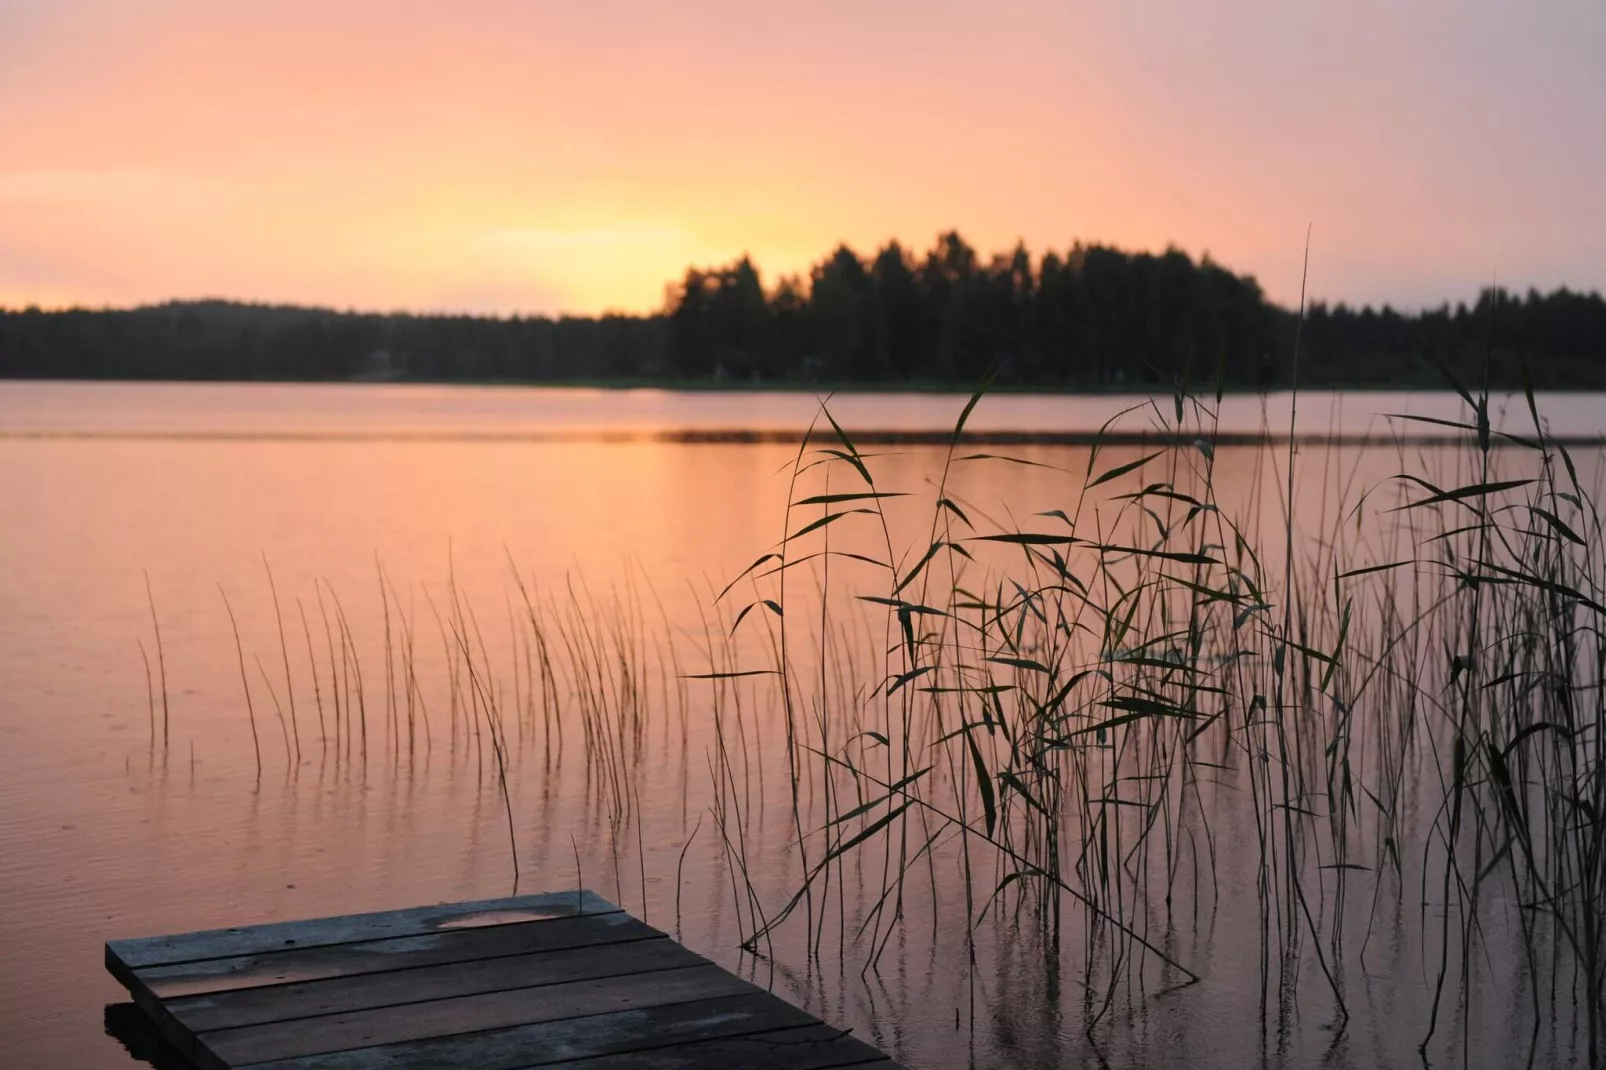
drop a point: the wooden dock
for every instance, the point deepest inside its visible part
(564, 980)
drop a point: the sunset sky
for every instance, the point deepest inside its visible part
(541, 157)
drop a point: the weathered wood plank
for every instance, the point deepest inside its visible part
(256, 939)
(256, 1006)
(418, 1021)
(182, 979)
(814, 1047)
(525, 1046)
(564, 981)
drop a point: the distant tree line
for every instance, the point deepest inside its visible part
(1557, 341)
(227, 340)
(1093, 317)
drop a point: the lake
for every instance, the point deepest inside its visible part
(269, 651)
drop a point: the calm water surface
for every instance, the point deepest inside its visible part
(386, 507)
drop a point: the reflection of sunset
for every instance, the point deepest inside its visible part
(510, 158)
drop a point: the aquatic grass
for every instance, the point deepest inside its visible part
(284, 654)
(571, 656)
(150, 694)
(245, 682)
(161, 659)
(312, 665)
(290, 762)
(940, 726)
(1074, 706)
(480, 677)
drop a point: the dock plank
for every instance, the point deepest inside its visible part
(318, 932)
(255, 1006)
(563, 980)
(314, 1036)
(813, 1047)
(528, 1046)
(291, 965)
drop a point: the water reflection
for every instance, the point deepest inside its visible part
(131, 1027)
(459, 655)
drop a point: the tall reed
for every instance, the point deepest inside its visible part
(1060, 702)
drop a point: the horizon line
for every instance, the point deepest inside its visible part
(425, 312)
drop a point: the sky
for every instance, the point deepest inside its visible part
(538, 157)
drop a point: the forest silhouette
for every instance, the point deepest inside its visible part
(1090, 318)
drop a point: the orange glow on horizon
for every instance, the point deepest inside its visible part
(510, 158)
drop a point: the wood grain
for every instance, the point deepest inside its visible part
(521, 1047)
(466, 1014)
(182, 979)
(318, 932)
(255, 1006)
